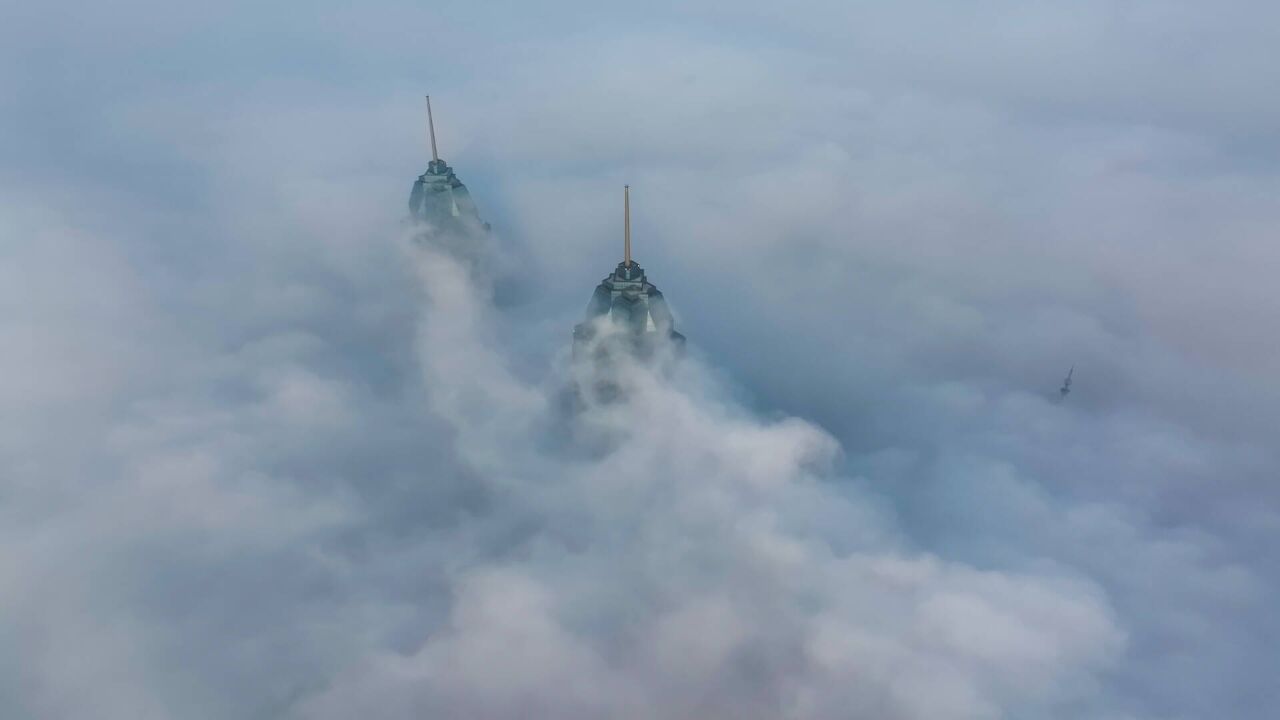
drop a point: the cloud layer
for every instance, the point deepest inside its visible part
(263, 457)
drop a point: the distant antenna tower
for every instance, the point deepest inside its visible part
(1066, 384)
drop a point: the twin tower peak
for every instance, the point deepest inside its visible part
(625, 300)
(439, 200)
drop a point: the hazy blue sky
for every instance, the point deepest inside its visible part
(261, 457)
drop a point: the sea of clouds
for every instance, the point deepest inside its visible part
(262, 455)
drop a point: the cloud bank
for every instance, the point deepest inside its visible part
(263, 457)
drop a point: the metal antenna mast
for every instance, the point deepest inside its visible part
(431, 125)
(626, 222)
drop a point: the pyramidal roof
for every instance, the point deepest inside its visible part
(439, 199)
(626, 301)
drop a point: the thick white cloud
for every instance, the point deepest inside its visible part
(257, 459)
(683, 573)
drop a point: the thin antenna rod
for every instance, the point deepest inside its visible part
(626, 222)
(431, 124)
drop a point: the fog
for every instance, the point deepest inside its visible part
(264, 455)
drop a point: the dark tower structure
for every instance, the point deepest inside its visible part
(439, 200)
(626, 311)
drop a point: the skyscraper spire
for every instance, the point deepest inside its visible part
(439, 198)
(629, 303)
(626, 223)
(431, 128)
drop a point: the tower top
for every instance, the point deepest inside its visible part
(431, 129)
(626, 225)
